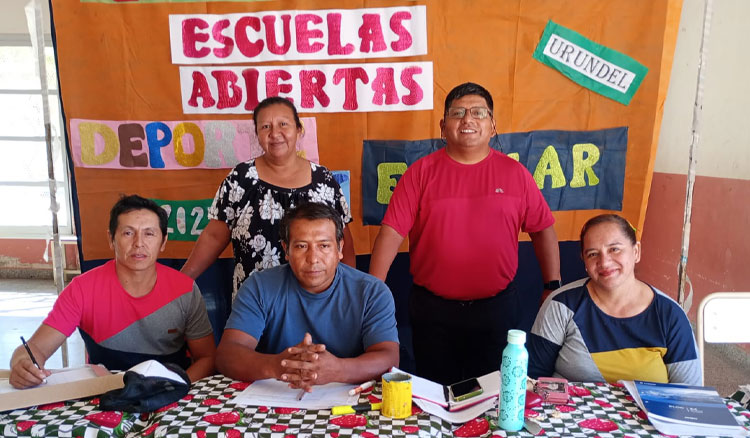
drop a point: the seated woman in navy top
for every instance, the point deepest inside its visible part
(612, 326)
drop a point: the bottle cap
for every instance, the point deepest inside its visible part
(516, 337)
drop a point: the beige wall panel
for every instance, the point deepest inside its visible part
(724, 148)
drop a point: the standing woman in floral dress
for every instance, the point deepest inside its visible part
(252, 199)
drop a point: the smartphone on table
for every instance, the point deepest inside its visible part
(464, 390)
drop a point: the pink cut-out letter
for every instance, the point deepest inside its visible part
(311, 86)
(371, 34)
(404, 37)
(226, 79)
(228, 43)
(270, 22)
(248, 48)
(191, 36)
(251, 85)
(200, 90)
(384, 87)
(334, 36)
(415, 91)
(304, 34)
(273, 87)
(350, 77)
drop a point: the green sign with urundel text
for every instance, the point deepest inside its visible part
(596, 67)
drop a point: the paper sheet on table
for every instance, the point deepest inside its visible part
(461, 416)
(63, 375)
(426, 389)
(271, 392)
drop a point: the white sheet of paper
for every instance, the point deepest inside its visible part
(425, 389)
(67, 375)
(273, 393)
(62, 375)
(5, 386)
(461, 416)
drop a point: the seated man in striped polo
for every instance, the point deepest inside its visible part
(128, 310)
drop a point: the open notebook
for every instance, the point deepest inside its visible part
(436, 393)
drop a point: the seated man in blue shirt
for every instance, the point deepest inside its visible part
(314, 320)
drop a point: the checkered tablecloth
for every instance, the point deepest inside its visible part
(595, 410)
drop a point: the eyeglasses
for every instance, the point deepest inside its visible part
(477, 112)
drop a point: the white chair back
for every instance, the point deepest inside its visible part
(723, 318)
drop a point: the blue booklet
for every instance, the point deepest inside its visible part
(675, 409)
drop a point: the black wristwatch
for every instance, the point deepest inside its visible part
(552, 285)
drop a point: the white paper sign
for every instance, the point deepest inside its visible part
(327, 88)
(253, 37)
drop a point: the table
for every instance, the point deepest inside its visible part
(201, 411)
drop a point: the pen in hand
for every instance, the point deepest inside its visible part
(31, 355)
(301, 394)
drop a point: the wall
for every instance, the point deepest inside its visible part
(13, 18)
(24, 258)
(719, 242)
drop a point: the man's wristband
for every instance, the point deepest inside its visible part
(552, 285)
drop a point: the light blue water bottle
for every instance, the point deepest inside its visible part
(513, 382)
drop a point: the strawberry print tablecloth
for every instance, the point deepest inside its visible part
(594, 410)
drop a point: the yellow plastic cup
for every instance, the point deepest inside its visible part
(396, 395)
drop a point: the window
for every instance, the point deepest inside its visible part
(24, 185)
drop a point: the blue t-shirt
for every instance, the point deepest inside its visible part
(354, 313)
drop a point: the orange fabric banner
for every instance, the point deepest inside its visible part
(116, 64)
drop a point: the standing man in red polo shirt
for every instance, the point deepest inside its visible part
(462, 208)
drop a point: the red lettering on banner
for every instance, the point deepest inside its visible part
(304, 33)
(212, 38)
(334, 36)
(248, 48)
(191, 36)
(201, 90)
(273, 87)
(226, 79)
(222, 39)
(415, 91)
(350, 76)
(404, 37)
(371, 34)
(270, 22)
(384, 87)
(251, 85)
(311, 86)
(345, 87)
(128, 133)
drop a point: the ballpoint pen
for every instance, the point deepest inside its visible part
(301, 394)
(31, 355)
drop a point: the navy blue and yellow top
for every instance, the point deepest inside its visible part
(573, 338)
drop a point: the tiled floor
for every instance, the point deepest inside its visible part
(23, 306)
(25, 303)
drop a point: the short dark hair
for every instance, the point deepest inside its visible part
(275, 100)
(311, 211)
(468, 89)
(620, 221)
(128, 203)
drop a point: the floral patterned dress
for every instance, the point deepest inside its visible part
(252, 209)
